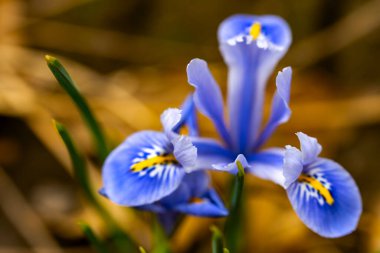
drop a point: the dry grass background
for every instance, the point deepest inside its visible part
(128, 58)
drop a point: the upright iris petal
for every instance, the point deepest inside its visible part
(323, 194)
(280, 106)
(251, 47)
(207, 96)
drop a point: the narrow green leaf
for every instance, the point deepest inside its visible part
(225, 250)
(142, 250)
(96, 243)
(233, 226)
(78, 163)
(217, 240)
(122, 240)
(68, 85)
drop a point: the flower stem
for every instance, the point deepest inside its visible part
(232, 228)
(217, 240)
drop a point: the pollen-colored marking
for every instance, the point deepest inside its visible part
(196, 200)
(317, 186)
(156, 160)
(255, 30)
(184, 130)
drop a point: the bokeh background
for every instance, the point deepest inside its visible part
(128, 57)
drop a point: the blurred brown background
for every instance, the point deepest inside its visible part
(128, 57)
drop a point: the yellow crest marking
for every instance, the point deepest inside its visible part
(317, 186)
(161, 159)
(255, 30)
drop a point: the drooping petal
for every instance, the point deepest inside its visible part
(251, 46)
(293, 165)
(310, 148)
(209, 205)
(280, 106)
(141, 170)
(193, 197)
(326, 199)
(188, 124)
(268, 165)
(207, 95)
(211, 152)
(198, 182)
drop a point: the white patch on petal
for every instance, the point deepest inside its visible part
(307, 191)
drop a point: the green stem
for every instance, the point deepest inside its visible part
(233, 225)
(217, 240)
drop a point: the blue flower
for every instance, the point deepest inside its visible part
(322, 193)
(251, 46)
(153, 170)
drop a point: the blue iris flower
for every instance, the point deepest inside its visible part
(153, 170)
(322, 193)
(251, 46)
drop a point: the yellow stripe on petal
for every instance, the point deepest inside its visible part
(318, 186)
(255, 30)
(156, 160)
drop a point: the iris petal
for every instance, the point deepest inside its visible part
(207, 95)
(211, 152)
(268, 165)
(170, 118)
(209, 204)
(141, 170)
(189, 118)
(185, 152)
(250, 62)
(280, 105)
(331, 213)
(231, 167)
(293, 165)
(310, 148)
(193, 197)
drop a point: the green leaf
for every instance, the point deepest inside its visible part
(68, 85)
(217, 240)
(122, 240)
(225, 250)
(233, 226)
(96, 243)
(161, 243)
(78, 164)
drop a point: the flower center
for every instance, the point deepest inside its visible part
(317, 186)
(163, 159)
